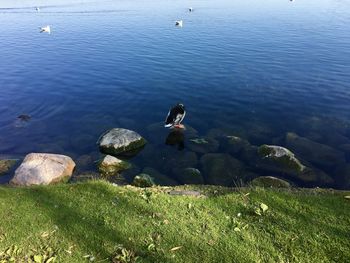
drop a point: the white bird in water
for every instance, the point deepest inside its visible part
(37, 9)
(178, 23)
(45, 29)
(190, 9)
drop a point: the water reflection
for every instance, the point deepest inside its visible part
(176, 138)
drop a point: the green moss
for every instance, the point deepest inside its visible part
(96, 220)
(286, 161)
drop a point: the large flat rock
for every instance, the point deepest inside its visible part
(43, 169)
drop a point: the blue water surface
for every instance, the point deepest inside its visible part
(254, 69)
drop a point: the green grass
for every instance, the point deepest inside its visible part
(96, 221)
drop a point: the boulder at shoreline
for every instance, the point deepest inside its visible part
(120, 141)
(43, 169)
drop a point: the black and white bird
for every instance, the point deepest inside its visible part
(46, 29)
(175, 117)
(179, 23)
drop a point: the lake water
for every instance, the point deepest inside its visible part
(260, 70)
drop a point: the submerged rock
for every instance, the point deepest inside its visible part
(119, 141)
(6, 165)
(203, 145)
(235, 145)
(343, 176)
(43, 168)
(270, 181)
(221, 169)
(110, 165)
(319, 154)
(159, 178)
(189, 175)
(84, 162)
(143, 180)
(179, 159)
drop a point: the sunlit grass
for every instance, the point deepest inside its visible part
(99, 222)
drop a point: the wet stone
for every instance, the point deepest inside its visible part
(159, 178)
(221, 169)
(119, 141)
(189, 175)
(321, 155)
(110, 165)
(278, 159)
(203, 145)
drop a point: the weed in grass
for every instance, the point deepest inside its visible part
(124, 255)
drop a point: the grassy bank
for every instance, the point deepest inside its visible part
(96, 221)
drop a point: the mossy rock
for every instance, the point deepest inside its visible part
(143, 180)
(159, 178)
(235, 145)
(221, 169)
(270, 181)
(203, 145)
(280, 159)
(120, 141)
(6, 165)
(321, 155)
(110, 165)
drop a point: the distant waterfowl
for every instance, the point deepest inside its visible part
(24, 117)
(37, 9)
(175, 116)
(179, 23)
(190, 9)
(46, 29)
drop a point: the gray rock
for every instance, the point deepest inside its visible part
(318, 154)
(188, 175)
(118, 141)
(159, 178)
(6, 165)
(110, 165)
(143, 180)
(270, 181)
(203, 145)
(43, 169)
(221, 169)
(179, 159)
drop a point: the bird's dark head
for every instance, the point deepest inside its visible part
(181, 105)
